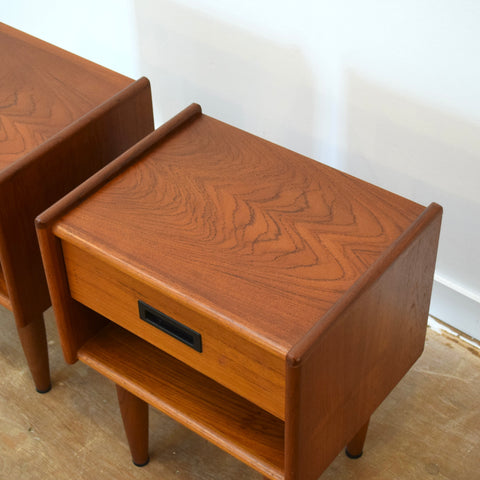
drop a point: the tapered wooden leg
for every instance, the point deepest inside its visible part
(135, 420)
(34, 343)
(355, 446)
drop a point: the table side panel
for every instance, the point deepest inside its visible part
(359, 359)
(75, 322)
(237, 363)
(69, 157)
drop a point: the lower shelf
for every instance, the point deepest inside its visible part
(229, 421)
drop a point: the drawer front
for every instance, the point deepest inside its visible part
(197, 340)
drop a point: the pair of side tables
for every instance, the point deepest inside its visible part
(264, 300)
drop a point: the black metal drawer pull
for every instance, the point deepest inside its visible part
(170, 326)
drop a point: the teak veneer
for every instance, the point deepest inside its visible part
(61, 119)
(284, 298)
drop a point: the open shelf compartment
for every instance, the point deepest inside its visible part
(239, 427)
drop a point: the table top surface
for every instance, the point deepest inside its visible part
(240, 228)
(43, 89)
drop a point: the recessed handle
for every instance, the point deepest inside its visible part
(170, 326)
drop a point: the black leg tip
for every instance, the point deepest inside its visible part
(141, 464)
(353, 457)
(44, 391)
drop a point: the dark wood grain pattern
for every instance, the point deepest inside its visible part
(307, 285)
(61, 119)
(248, 232)
(43, 89)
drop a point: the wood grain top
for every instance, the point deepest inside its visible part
(43, 89)
(258, 236)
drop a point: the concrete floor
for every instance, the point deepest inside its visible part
(429, 426)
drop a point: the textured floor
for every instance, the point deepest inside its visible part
(429, 427)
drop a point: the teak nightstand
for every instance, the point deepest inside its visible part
(61, 119)
(264, 300)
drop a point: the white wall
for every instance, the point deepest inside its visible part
(103, 31)
(388, 91)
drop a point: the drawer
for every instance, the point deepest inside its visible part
(228, 356)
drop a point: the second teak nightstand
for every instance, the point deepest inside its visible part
(62, 118)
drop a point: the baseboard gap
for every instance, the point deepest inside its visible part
(439, 326)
